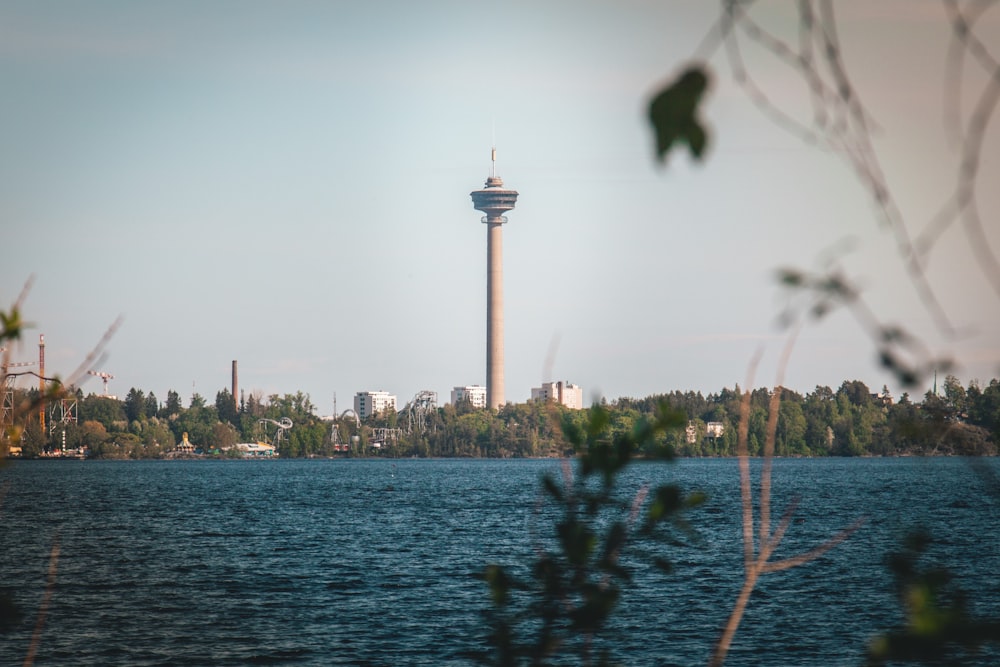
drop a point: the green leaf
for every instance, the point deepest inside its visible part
(499, 584)
(673, 112)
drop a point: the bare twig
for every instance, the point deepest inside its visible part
(756, 558)
(841, 122)
(43, 610)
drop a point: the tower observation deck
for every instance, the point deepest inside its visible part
(494, 200)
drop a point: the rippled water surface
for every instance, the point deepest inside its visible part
(370, 562)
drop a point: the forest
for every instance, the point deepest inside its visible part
(849, 421)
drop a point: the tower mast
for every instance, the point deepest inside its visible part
(41, 380)
(494, 201)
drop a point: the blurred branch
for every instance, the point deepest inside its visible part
(756, 557)
(43, 609)
(898, 351)
(841, 122)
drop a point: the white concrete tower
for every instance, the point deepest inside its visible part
(494, 201)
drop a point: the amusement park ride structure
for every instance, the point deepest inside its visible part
(7, 412)
(279, 432)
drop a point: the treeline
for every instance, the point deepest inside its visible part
(848, 421)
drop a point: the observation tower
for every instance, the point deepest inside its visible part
(494, 201)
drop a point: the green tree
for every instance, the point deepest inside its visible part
(173, 404)
(156, 437)
(105, 410)
(225, 406)
(94, 436)
(135, 405)
(223, 436)
(790, 439)
(152, 405)
(34, 440)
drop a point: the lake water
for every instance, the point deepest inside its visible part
(369, 562)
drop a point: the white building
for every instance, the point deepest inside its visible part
(475, 394)
(368, 403)
(560, 392)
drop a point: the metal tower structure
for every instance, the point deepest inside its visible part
(419, 409)
(63, 412)
(7, 412)
(494, 201)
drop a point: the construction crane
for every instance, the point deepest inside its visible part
(104, 376)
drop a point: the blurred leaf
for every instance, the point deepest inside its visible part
(666, 501)
(11, 323)
(673, 113)
(695, 499)
(663, 564)
(938, 627)
(10, 615)
(550, 485)
(499, 584)
(791, 277)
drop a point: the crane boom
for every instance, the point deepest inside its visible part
(104, 376)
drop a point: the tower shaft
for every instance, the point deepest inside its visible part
(41, 380)
(494, 315)
(494, 200)
(236, 386)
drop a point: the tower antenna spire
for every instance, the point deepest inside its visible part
(493, 154)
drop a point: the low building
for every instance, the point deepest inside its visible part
(563, 393)
(691, 433)
(474, 394)
(256, 450)
(368, 403)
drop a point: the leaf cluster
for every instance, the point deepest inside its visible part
(561, 609)
(939, 628)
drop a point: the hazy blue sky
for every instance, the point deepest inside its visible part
(287, 184)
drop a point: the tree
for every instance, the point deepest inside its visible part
(790, 438)
(152, 405)
(223, 436)
(156, 437)
(103, 409)
(135, 405)
(94, 436)
(225, 405)
(955, 396)
(173, 405)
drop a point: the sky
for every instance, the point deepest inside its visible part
(287, 184)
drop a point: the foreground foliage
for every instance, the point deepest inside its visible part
(560, 608)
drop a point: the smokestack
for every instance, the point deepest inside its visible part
(236, 387)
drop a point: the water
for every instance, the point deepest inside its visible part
(357, 562)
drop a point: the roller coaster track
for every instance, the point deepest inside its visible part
(279, 432)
